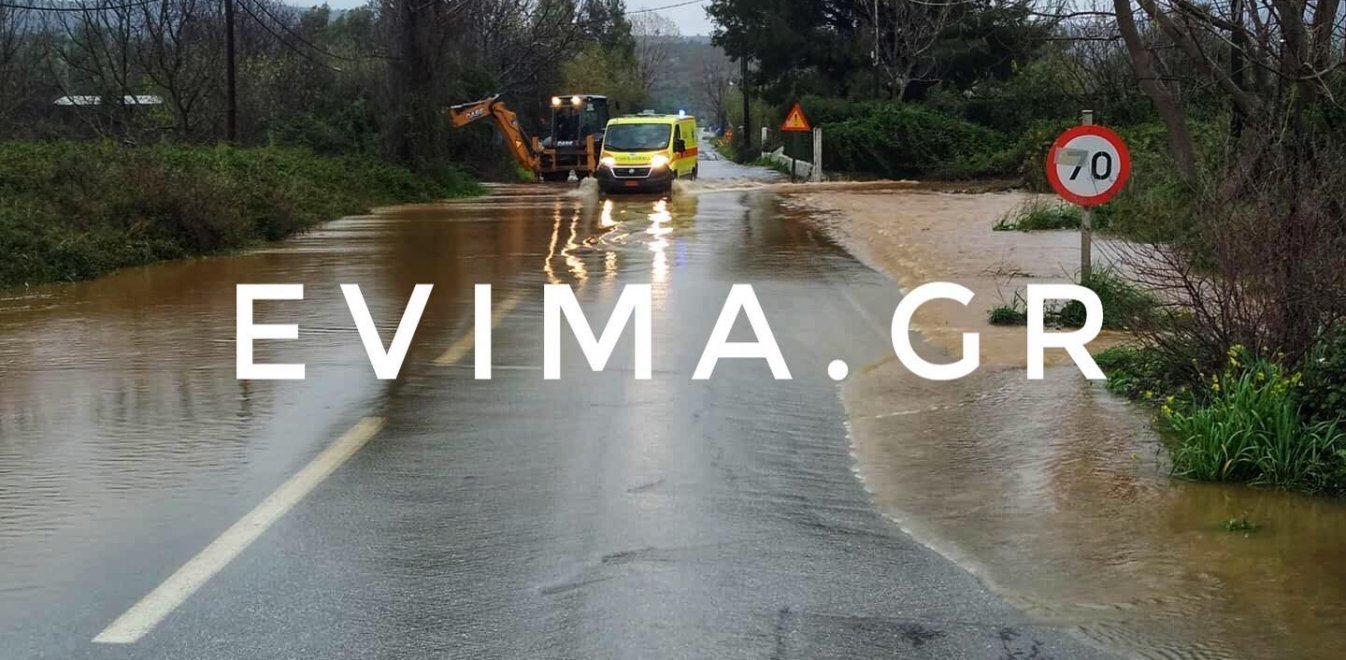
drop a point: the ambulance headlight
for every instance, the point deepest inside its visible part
(658, 160)
(608, 161)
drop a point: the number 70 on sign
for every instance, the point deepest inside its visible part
(1088, 165)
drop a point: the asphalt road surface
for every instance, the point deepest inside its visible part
(153, 502)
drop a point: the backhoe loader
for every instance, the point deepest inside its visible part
(577, 124)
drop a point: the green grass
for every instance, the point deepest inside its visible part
(1247, 423)
(1239, 525)
(1008, 315)
(1124, 305)
(778, 166)
(1135, 373)
(1014, 312)
(76, 210)
(1038, 214)
(1250, 429)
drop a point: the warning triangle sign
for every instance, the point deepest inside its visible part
(795, 121)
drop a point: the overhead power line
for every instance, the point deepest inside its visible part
(672, 6)
(300, 52)
(300, 38)
(66, 7)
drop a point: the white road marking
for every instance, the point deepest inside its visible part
(158, 604)
(460, 348)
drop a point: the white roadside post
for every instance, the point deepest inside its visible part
(766, 132)
(817, 174)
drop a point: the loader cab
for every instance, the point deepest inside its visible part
(574, 117)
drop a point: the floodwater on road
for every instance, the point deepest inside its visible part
(600, 517)
(597, 516)
(1054, 492)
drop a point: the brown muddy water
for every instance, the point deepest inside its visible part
(1055, 492)
(120, 418)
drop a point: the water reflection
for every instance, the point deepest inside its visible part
(659, 228)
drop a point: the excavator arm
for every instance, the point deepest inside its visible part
(524, 149)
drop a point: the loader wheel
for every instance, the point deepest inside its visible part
(555, 176)
(580, 176)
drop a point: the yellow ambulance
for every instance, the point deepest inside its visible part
(646, 152)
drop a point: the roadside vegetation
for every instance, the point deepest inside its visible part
(112, 114)
(1125, 306)
(75, 210)
(1236, 289)
(1040, 215)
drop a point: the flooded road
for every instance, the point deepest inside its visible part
(1053, 491)
(598, 516)
(151, 500)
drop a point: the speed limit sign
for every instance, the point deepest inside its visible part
(1088, 165)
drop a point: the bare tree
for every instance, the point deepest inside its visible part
(179, 52)
(904, 37)
(1283, 58)
(1258, 262)
(97, 59)
(713, 87)
(654, 33)
(12, 79)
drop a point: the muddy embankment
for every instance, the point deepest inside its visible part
(1053, 492)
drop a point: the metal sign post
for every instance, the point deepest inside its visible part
(1087, 166)
(1086, 222)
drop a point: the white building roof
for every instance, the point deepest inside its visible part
(98, 100)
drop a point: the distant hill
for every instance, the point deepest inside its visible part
(677, 85)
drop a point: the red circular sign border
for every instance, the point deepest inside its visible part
(1123, 174)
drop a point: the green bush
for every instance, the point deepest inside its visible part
(72, 211)
(1249, 429)
(1137, 373)
(822, 110)
(900, 140)
(1323, 390)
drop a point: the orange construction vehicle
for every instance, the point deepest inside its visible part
(577, 123)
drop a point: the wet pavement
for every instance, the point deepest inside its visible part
(592, 517)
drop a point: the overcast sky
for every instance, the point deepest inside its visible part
(691, 19)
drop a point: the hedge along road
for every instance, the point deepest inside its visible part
(150, 499)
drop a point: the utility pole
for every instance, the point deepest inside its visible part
(747, 119)
(877, 83)
(230, 76)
